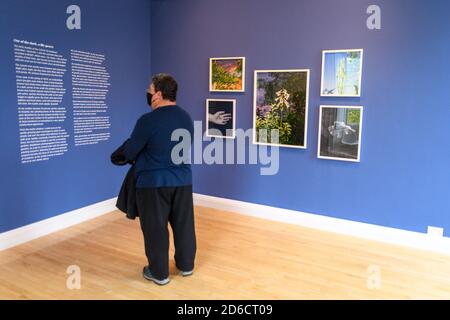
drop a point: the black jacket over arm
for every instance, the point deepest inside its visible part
(126, 200)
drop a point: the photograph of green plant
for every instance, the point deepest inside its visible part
(281, 103)
(340, 132)
(227, 74)
(341, 73)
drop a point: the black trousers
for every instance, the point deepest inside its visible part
(157, 207)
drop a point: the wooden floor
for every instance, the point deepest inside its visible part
(238, 257)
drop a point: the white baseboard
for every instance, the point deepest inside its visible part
(394, 236)
(39, 229)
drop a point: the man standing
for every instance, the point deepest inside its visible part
(163, 188)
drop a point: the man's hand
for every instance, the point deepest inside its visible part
(219, 117)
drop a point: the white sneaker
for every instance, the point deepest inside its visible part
(148, 275)
(186, 273)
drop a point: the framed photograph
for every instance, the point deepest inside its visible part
(341, 73)
(340, 133)
(221, 118)
(227, 74)
(280, 102)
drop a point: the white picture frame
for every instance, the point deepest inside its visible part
(319, 144)
(211, 86)
(233, 136)
(255, 88)
(324, 76)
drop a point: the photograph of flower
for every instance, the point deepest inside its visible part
(220, 118)
(227, 74)
(341, 73)
(340, 133)
(281, 104)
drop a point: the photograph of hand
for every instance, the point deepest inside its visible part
(220, 115)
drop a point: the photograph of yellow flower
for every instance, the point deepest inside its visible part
(280, 107)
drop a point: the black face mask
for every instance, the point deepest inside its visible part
(149, 98)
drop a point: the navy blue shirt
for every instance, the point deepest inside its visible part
(151, 146)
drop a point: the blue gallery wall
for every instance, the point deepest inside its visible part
(403, 178)
(120, 30)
